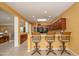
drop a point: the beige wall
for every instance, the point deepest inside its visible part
(72, 15)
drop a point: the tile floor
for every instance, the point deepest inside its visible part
(7, 49)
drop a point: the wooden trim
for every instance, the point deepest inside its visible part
(19, 30)
(25, 24)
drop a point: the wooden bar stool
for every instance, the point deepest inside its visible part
(50, 38)
(36, 38)
(65, 38)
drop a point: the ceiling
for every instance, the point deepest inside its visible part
(6, 18)
(34, 10)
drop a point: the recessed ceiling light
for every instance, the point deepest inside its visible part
(8, 18)
(49, 16)
(41, 19)
(45, 11)
(33, 16)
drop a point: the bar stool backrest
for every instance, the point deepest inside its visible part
(36, 37)
(50, 37)
(65, 36)
(35, 33)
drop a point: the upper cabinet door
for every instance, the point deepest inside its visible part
(58, 25)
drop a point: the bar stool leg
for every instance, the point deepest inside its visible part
(39, 52)
(50, 49)
(64, 49)
(53, 52)
(67, 52)
(48, 52)
(36, 49)
(63, 44)
(34, 52)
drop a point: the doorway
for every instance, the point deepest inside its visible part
(6, 30)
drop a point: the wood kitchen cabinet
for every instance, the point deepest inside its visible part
(23, 37)
(58, 25)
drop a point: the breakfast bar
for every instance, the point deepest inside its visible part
(43, 44)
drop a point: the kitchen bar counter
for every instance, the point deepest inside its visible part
(43, 44)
